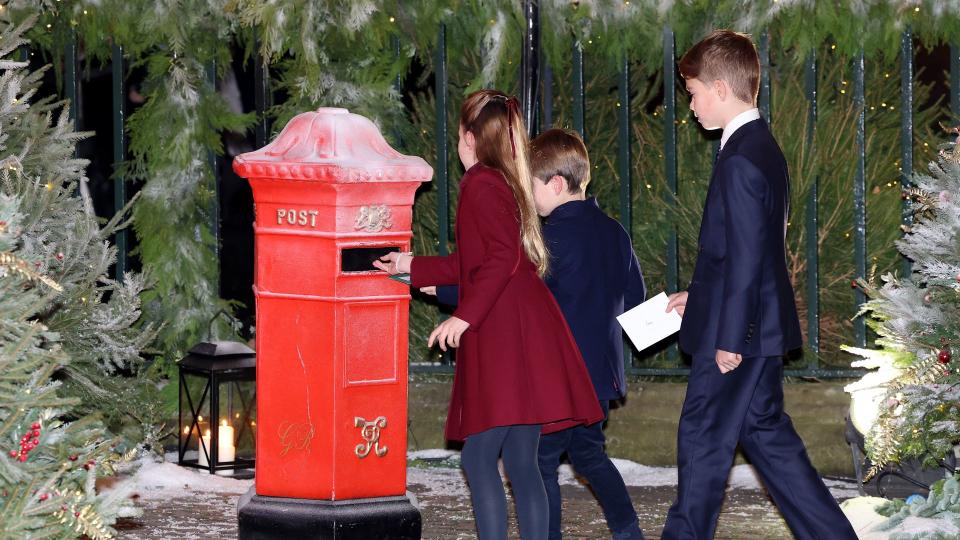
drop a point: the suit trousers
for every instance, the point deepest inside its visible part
(586, 448)
(745, 406)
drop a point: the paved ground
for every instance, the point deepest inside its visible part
(747, 514)
(184, 509)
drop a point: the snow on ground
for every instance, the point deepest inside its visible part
(744, 477)
(635, 474)
(154, 479)
(162, 480)
(434, 454)
(443, 476)
(860, 511)
(438, 471)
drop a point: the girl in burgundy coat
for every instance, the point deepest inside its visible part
(518, 370)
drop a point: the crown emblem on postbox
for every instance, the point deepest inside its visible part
(315, 146)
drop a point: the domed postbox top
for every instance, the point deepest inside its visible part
(331, 145)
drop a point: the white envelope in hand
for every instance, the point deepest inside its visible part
(649, 322)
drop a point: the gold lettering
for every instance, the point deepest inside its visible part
(295, 436)
(370, 432)
(293, 216)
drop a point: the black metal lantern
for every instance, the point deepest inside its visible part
(896, 479)
(218, 407)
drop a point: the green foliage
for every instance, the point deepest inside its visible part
(326, 52)
(173, 137)
(59, 334)
(943, 503)
(95, 317)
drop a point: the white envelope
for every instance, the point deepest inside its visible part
(649, 323)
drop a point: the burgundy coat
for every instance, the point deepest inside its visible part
(518, 362)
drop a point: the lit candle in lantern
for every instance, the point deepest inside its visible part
(226, 451)
(201, 455)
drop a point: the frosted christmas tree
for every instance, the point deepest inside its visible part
(65, 327)
(913, 397)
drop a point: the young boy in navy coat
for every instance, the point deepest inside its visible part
(739, 316)
(594, 276)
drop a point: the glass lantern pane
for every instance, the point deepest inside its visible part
(238, 412)
(194, 417)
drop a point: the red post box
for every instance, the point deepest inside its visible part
(330, 196)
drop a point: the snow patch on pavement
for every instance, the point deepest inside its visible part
(154, 479)
(634, 474)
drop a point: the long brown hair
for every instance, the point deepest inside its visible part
(501, 143)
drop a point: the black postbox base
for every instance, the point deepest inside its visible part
(275, 518)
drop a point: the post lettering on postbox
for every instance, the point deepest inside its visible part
(292, 216)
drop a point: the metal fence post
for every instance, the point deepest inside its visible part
(764, 52)
(579, 104)
(530, 63)
(955, 79)
(906, 129)
(440, 91)
(670, 162)
(859, 201)
(210, 79)
(261, 97)
(812, 222)
(119, 154)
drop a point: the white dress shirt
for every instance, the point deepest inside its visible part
(738, 121)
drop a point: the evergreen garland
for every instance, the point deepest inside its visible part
(325, 52)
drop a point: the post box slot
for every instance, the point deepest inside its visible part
(361, 259)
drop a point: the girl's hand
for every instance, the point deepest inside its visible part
(432, 290)
(394, 263)
(448, 333)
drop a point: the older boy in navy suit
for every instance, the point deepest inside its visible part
(739, 316)
(594, 276)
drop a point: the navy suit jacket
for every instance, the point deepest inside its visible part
(594, 276)
(740, 298)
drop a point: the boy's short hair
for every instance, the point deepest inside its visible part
(561, 152)
(727, 55)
